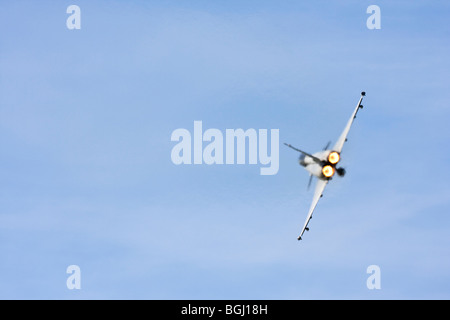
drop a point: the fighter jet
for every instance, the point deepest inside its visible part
(323, 164)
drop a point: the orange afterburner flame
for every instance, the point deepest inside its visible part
(334, 157)
(328, 171)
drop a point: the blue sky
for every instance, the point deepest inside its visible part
(85, 123)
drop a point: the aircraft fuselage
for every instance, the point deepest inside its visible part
(323, 170)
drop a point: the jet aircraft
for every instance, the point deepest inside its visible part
(323, 164)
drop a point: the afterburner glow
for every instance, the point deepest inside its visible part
(334, 157)
(328, 171)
